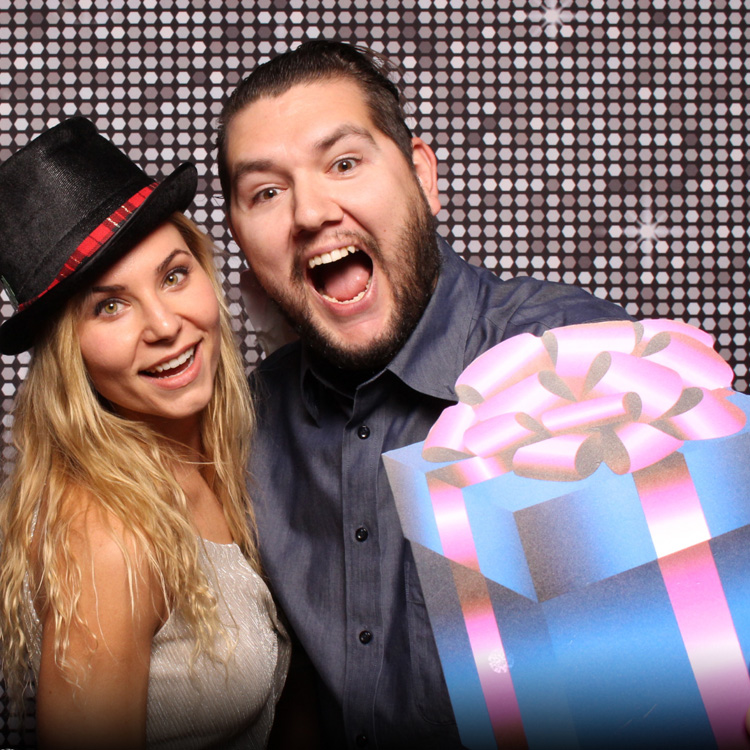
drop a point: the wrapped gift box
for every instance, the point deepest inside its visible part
(608, 611)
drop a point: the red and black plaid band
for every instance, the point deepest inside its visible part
(97, 238)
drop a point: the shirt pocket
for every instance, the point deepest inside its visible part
(429, 690)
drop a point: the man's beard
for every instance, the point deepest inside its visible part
(412, 277)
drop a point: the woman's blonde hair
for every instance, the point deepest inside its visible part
(66, 437)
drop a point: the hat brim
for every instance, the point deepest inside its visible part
(175, 193)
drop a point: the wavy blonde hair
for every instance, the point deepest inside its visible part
(66, 437)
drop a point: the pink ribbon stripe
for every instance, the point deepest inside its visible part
(497, 684)
(674, 516)
(705, 622)
(481, 625)
(671, 505)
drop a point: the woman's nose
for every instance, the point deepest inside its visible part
(161, 322)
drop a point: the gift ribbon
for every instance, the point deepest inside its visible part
(555, 407)
(680, 534)
(482, 629)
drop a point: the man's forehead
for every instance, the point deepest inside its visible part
(305, 110)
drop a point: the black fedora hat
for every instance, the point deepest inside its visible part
(71, 204)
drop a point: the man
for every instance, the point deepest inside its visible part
(332, 201)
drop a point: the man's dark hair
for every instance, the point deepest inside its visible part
(315, 61)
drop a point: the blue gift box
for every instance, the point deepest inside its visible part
(591, 640)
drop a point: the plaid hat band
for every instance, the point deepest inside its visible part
(97, 238)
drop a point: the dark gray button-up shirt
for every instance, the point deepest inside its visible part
(329, 532)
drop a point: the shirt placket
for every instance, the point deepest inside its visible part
(362, 445)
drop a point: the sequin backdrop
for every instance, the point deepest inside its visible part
(602, 143)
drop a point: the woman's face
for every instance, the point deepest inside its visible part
(149, 333)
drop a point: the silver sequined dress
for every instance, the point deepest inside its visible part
(226, 703)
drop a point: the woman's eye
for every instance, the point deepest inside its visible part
(108, 307)
(174, 277)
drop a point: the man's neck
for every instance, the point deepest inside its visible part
(344, 381)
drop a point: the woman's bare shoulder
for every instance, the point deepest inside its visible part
(112, 560)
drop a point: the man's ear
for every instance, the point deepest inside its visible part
(425, 165)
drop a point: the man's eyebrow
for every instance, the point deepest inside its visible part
(248, 167)
(343, 132)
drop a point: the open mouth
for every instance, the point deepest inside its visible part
(342, 276)
(172, 367)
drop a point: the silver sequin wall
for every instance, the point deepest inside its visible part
(602, 143)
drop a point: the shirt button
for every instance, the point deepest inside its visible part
(361, 534)
(365, 636)
(363, 432)
(361, 740)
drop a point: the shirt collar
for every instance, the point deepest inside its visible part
(436, 346)
(433, 356)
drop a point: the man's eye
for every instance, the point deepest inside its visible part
(265, 195)
(344, 165)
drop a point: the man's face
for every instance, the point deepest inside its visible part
(333, 220)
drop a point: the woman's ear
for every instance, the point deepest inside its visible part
(425, 165)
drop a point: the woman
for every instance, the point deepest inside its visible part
(128, 568)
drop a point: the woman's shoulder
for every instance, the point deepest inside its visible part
(94, 530)
(108, 552)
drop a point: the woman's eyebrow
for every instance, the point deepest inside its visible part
(168, 260)
(113, 288)
(107, 289)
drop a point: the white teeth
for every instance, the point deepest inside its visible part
(176, 362)
(332, 257)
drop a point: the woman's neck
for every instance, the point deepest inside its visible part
(182, 432)
(205, 511)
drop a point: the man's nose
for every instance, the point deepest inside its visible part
(315, 205)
